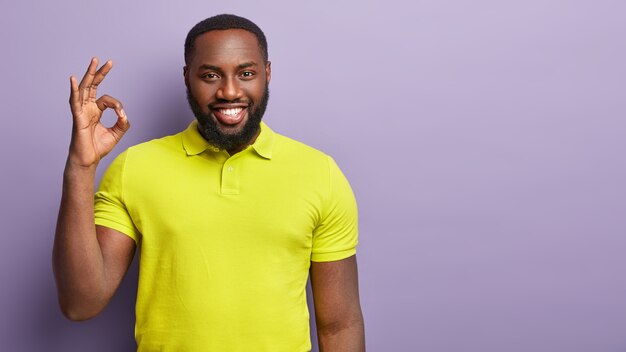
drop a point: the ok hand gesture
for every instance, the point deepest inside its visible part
(91, 140)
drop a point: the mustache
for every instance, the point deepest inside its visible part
(224, 101)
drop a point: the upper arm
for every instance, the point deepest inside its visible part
(118, 251)
(336, 294)
(336, 234)
(115, 230)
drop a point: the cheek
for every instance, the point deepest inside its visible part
(200, 87)
(201, 91)
(256, 91)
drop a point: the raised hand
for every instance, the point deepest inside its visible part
(91, 140)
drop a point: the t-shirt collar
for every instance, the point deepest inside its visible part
(194, 143)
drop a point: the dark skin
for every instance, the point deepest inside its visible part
(226, 71)
(88, 261)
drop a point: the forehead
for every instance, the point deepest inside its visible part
(230, 45)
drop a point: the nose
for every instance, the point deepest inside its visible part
(229, 90)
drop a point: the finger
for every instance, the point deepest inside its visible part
(85, 83)
(121, 125)
(98, 78)
(102, 72)
(74, 95)
(108, 102)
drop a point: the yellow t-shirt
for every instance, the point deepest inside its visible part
(226, 241)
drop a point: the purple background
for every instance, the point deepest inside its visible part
(484, 141)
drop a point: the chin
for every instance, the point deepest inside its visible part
(230, 130)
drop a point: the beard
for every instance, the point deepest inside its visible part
(208, 127)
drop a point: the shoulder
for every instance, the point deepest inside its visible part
(154, 151)
(171, 142)
(148, 155)
(292, 149)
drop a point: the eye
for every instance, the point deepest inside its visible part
(247, 74)
(209, 76)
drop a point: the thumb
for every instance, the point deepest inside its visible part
(121, 125)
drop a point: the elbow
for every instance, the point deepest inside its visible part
(337, 327)
(339, 321)
(77, 312)
(80, 303)
(342, 336)
(77, 316)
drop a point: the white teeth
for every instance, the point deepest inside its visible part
(231, 112)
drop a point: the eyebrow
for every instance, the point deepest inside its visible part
(246, 65)
(218, 69)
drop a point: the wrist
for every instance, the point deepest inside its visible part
(77, 169)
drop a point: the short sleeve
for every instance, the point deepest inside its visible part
(336, 236)
(109, 207)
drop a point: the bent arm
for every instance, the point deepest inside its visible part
(338, 314)
(89, 262)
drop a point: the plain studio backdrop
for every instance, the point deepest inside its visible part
(484, 141)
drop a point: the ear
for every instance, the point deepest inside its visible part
(186, 75)
(268, 71)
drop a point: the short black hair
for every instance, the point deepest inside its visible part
(221, 22)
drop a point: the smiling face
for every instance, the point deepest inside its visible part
(227, 87)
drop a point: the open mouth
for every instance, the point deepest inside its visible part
(230, 116)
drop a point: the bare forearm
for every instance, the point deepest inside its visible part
(88, 267)
(77, 257)
(347, 339)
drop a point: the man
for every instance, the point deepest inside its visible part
(229, 216)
